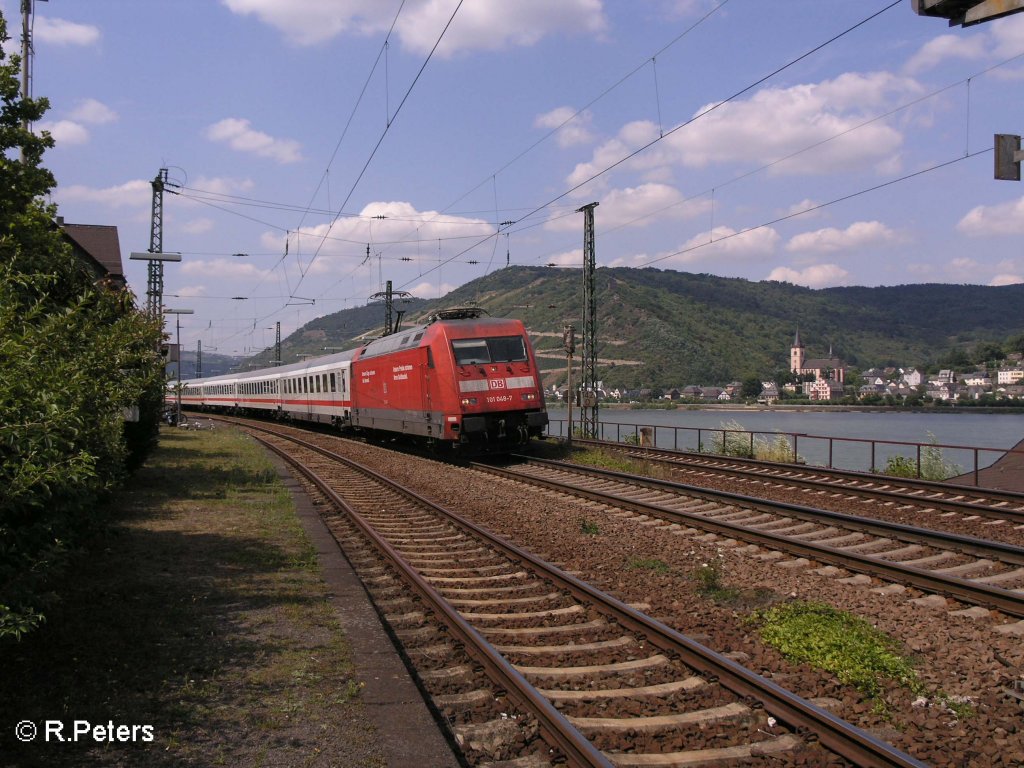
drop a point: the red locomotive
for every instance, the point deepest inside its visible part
(461, 379)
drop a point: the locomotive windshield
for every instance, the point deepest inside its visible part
(497, 349)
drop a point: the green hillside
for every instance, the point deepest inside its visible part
(664, 328)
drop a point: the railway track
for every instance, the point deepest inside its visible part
(933, 497)
(974, 571)
(597, 680)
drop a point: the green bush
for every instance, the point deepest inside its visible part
(73, 356)
(933, 464)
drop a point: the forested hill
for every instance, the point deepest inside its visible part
(664, 328)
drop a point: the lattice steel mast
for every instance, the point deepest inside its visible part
(155, 284)
(588, 360)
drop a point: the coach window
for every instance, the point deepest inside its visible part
(324, 377)
(334, 384)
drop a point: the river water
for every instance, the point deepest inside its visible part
(860, 440)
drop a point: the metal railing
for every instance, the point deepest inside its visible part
(849, 453)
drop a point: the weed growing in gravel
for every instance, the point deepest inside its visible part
(648, 563)
(960, 707)
(709, 582)
(838, 642)
(611, 460)
(589, 527)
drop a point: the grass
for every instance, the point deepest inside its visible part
(648, 564)
(202, 614)
(709, 583)
(613, 460)
(836, 641)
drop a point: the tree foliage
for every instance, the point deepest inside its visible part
(73, 356)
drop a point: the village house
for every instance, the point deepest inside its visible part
(912, 377)
(979, 379)
(824, 389)
(1009, 375)
(769, 393)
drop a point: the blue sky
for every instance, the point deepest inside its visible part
(745, 139)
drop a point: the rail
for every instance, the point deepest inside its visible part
(712, 440)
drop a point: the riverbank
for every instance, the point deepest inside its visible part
(800, 408)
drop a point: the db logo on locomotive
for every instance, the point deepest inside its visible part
(497, 383)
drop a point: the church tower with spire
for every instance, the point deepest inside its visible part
(797, 354)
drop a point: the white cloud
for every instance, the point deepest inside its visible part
(817, 276)
(631, 137)
(726, 242)
(573, 258)
(769, 127)
(308, 22)
(988, 220)
(221, 185)
(426, 289)
(480, 25)
(637, 207)
(496, 24)
(946, 47)
(806, 209)
(72, 132)
(861, 234)
(65, 132)
(403, 231)
(131, 193)
(223, 268)
(60, 32)
(777, 122)
(1005, 279)
(93, 112)
(573, 129)
(196, 226)
(721, 243)
(191, 291)
(1007, 36)
(238, 134)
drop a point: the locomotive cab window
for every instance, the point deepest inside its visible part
(497, 349)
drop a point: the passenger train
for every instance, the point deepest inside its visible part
(461, 379)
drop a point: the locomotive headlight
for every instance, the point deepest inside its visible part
(469, 401)
(529, 396)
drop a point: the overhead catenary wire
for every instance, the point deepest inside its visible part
(522, 223)
(818, 207)
(746, 89)
(609, 89)
(384, 134)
